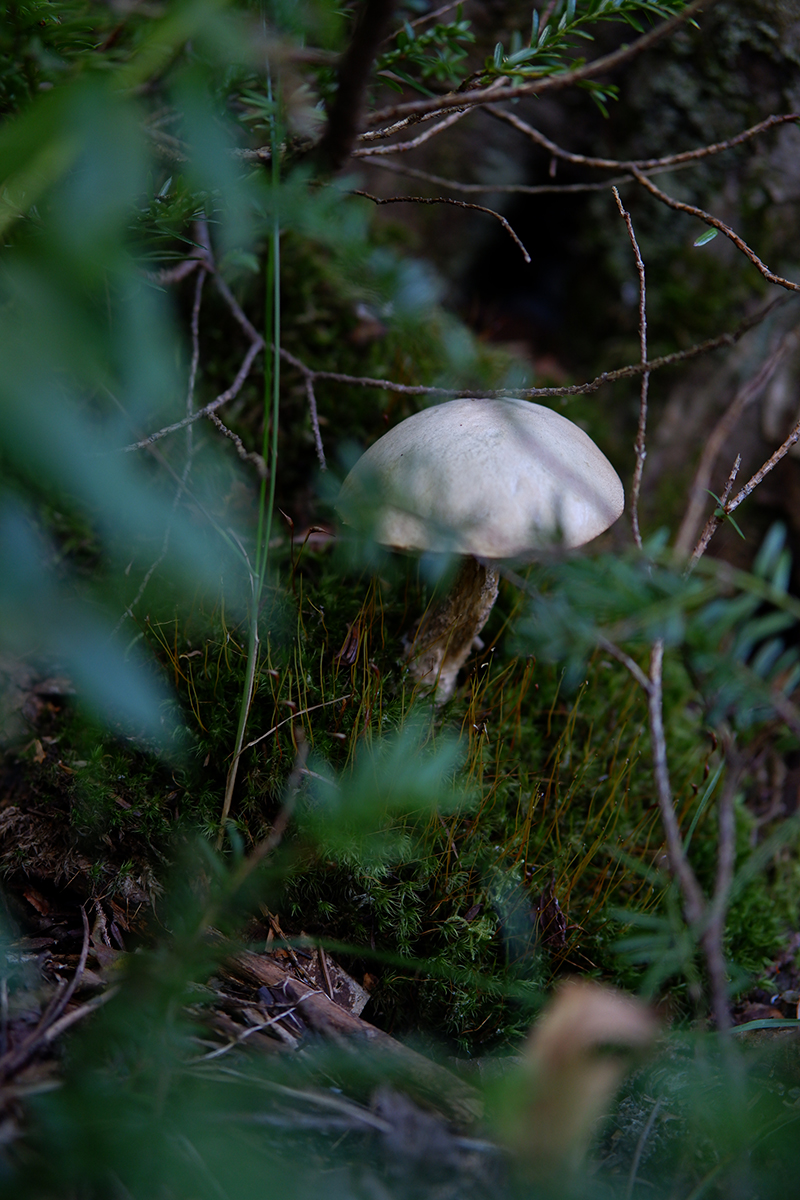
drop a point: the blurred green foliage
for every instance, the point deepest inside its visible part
(427, 847)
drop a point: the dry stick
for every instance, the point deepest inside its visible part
(637, 164)
(764, 470)
(747, 393)
(715, 222)
(750, 486)
(446, 200)
(641, 444)
(640, 1145)
(653, 166)
(599, 66)
(580, 389)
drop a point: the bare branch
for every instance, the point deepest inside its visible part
(401, 147)
(628, 663)
(714, 931)
(768, 466)
(719, 435)
(521, 189)
(249, 456)
(638, 164)
(406, 389)
(715, 222)
(693, 900)
(699, 491)
(224, 398)
(447, 200)
(641, 434)
(714, 521)
(609, 62)
(312, 408)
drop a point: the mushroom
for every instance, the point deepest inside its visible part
(487, 479)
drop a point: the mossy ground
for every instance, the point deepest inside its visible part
(545, 856)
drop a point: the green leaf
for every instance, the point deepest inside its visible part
(706, 237)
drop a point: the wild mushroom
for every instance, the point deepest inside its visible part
(488, 479)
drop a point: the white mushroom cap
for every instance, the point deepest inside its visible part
(491, 478)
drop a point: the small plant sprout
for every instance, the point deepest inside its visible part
(489, 480)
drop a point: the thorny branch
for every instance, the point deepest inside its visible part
(641, 434)
(447, 200)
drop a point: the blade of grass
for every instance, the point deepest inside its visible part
(266, 503)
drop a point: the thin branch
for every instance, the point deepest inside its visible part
(300, 713)
(693, 900)
(715, 222)
(447, 200)
(379, 135)
(431, 16)
(608, 62)
(714, 521)
(223, 398)
(401, 147)
(747, 393)
(14, 1059)
(174, 274)
(714, 931)
(281, 822)
(248, 456)
(354, 72)
(641, 434)
(312, 408)
(636, 164)
(407, 389)
(522, 189)
(768, 466)
(629, 663)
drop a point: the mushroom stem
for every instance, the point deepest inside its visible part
(445, 636)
